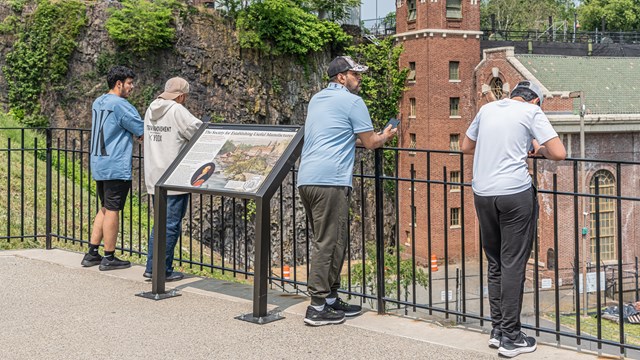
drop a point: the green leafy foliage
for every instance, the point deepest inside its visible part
(398, 273)
(332, 9)
(17, 5)
(142, 25)
(619, 15)
(521, 15)
(40, 56)
(282, 27)
(9, 24)
(382, 88)
(383, 85)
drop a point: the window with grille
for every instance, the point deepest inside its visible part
(411, 10)
(454, 9)
(412, 72)
(454, 177)
(496, 87)
(454, 219)
(454, 73)
(412, 143)
(454, 142)
(454, 106)
(412, 109)
(606, 186)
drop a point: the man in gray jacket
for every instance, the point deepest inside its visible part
(169, 126)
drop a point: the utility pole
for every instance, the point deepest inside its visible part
(585, 228)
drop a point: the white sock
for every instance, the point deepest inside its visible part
(318, 307)
(330, 301)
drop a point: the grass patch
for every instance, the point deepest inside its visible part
(610, 329)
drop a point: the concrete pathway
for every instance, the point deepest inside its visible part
(52, 308)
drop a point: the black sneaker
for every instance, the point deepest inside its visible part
(174, 276)
(113, 264)
(494, 340)
(91, 260)
(348, 309)
(325, 317)
(522, 344)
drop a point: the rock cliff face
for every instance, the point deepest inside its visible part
(230, 84)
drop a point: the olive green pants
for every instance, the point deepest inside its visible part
(327, 208)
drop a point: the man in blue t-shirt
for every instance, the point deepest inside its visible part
(114, 124)
(500, 137)
(337, 119)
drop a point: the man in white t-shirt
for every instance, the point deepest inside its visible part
(169, 126)
(500, 137)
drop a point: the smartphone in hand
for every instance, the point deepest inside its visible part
(393, 122)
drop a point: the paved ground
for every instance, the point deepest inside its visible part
(51, 308)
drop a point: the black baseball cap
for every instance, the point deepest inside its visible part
(343, 63)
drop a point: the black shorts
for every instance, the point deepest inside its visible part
(113, 193)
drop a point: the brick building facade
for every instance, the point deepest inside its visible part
(441, 48)
(451, 77)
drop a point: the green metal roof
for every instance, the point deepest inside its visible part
(610, 85)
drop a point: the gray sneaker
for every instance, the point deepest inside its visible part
(325, 317)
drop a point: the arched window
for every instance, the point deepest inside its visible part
(606, 186)
(496, 87)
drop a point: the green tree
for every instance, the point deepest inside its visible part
(381, 89)
(523, 15)
(382, 86)
(282, 27)
(334, 10)
(619, 15)
(142, 25)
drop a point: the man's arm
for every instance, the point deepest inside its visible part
(372, 140)
(187, 123)
(468, 145)
(130, 120)
(553, 149)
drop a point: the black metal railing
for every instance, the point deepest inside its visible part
(409, 207)
(550, 35)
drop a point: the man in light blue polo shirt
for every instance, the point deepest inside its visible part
(337, 119)
(500, 137)
(114, 125)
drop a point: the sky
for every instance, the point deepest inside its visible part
(368, 10)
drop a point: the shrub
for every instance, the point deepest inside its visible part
(142, 25)
(281, 27)
(40, 55)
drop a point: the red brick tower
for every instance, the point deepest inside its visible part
(441, 40)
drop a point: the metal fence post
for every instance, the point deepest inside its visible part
(637, 298)
(48, 191)
(159, 241)
(262, 249)
(379, 232)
